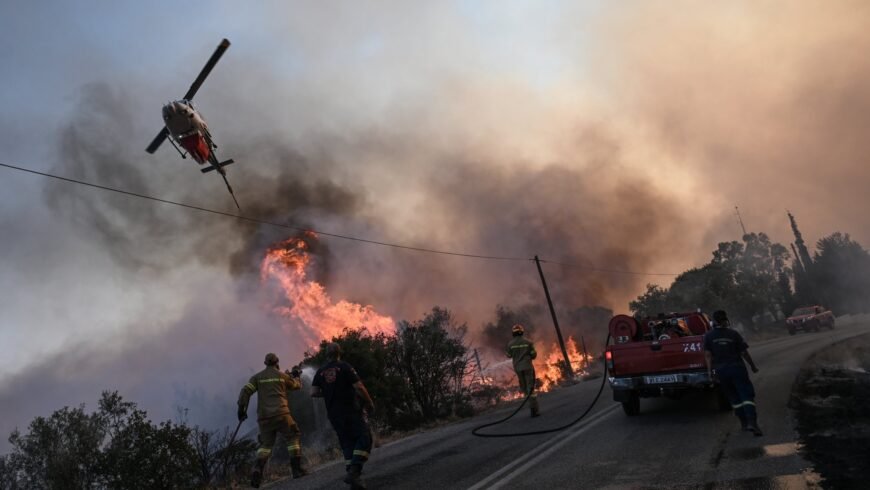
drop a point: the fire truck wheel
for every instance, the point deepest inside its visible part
(631, 407)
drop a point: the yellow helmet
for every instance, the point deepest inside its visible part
(517, 329)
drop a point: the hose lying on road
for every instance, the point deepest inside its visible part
(476, 430)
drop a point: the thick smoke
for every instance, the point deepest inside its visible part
(762, 106)
(199, 363)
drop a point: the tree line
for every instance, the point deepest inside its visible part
(758, 281)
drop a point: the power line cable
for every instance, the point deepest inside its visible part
(263, 222)
(611, 271)
(333, 235)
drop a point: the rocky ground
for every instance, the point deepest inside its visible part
(831, 402)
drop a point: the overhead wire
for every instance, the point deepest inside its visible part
(319, 232)
(261, 221)
(611, 271)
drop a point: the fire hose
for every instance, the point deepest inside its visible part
(476, 430)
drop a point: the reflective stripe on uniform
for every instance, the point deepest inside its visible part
(520, 346)
(250, 387)
(263, 450)
(742, 404)
(360, 452)
(271, 380)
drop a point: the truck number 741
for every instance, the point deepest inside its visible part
(692, 347)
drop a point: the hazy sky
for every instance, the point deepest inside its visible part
(618, 136)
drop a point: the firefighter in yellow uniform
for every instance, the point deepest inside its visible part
(273, 415)
(522, 352)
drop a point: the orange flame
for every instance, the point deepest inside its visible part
(286, 263)
(551, 368)
(548, 370)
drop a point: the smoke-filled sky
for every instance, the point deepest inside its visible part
(615, 136)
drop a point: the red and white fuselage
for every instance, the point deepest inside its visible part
(189, 130)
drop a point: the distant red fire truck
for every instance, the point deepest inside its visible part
(810, 319)
(660, 356)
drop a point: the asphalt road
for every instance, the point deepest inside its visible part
(683, 443)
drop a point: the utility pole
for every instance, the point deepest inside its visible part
(740, 220)
(479, 368)
(585, 354)
(568, 371)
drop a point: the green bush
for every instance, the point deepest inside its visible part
(115, 447)
(414, 376)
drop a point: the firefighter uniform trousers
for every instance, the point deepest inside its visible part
(735, 384)
(354, 436)
(270, 428)
(527, 385)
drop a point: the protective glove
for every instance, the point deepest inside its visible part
(242, 414)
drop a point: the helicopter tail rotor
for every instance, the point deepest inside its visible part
(217, 166)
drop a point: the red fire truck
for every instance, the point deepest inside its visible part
(810, 319)
(659, 356)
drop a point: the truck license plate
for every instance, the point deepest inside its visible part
(654, 380)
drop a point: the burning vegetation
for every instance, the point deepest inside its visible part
(550, 372)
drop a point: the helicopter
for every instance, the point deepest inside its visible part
(186, 128)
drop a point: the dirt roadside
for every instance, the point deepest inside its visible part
(831, 403)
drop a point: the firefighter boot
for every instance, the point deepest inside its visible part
(354, 477)
(752, 426)
(257, 474)
(533, 405)
(744, 425)
(296, 467)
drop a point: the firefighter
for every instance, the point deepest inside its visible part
(522, 351)
(348, 405)
(273, 415)
(725, 352)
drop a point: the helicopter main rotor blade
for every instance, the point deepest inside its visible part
(158, 140)
(207, 69)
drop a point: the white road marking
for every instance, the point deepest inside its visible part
(550, 446)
